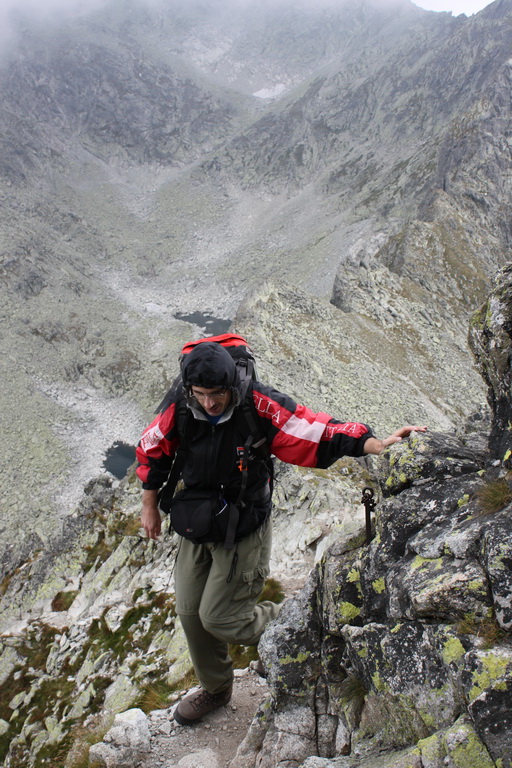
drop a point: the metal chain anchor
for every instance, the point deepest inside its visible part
(369, 504)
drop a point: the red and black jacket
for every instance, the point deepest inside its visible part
(294, 434)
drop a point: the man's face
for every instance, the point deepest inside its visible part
(214, 400)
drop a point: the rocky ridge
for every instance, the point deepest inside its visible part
(399, 654)
(395, 654)
(89, 627)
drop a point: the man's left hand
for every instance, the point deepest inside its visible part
(375, 446)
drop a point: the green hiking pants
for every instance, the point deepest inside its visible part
(215, 611)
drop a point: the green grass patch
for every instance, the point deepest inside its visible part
(73, 751)
(122, 641)
(5, 740)
(121, 525)
(488, 630)
(52, 697)
(157, 694)
(97, 553)
(63, 600)
(242, 655)
(494, 496)
(273, 591)
(119, 641)
(35, 651)
(53, 754)
(353, 690)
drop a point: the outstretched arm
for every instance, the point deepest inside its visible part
(375, 446)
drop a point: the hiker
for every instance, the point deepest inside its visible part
(227, 474)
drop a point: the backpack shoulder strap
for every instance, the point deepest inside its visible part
(247, 410)
(256, 440)
(184, 425)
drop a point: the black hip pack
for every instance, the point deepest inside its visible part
(206, 516)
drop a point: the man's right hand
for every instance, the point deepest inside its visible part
(150, 518)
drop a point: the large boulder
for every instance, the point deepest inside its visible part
(403, 645)
(490, 338)
(125, 744)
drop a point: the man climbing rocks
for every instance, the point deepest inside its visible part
(223, 515)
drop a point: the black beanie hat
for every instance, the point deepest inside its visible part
(209, 365)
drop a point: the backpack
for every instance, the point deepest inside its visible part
(239, 350)
(241, 353)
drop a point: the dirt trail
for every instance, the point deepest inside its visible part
(212, 742)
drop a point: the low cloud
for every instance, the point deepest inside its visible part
(14, 11)
(45, 8)
(11, 11)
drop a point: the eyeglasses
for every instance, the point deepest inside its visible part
(217, 395)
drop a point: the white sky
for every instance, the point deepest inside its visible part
(455, 6)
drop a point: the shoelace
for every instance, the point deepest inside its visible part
(202, 699)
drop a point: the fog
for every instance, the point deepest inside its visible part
(47, 8)
(14, 11)
(59, 8)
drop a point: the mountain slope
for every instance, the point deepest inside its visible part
(143, 180)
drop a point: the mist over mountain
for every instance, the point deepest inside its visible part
(332, 177)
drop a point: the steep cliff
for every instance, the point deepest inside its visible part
(399, 654)
(396, 654)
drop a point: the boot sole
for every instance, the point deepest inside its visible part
(184, 720)
(190, 721)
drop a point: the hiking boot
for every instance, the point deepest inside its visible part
(199, 703)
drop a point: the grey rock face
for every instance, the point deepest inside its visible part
(431, 456)
(491, 715)
(401, 627)
(490, 339)
(411, 635)
(125, 744)
(497, 561)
